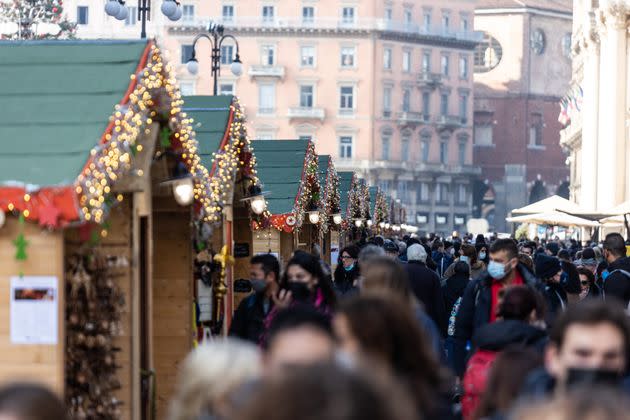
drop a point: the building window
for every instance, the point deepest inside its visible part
(264, 134)
(307, 138)
(132, 17)
(387, 102)
(536, 130)
(82, 15)
(463, 68)
(463, 108)
(187, 52)
(406, 62)
(188, 12)
(403, 191)
(426, 105)
(187, 87)
(426, 20)
(308, 14)
(445, 62)
(483, 135)
(268, 14)
(388, 14)
(346, 98)
(426, 62)
(406, 105)
(461, 194)
(266, 98)
(347, 56)
(307, 56)
(345, 147)
(306, 96)
(461, 152)
(408, 17)
(446, 22)
(226, 88)
(423, 194)
(227, 54)
(227, 12)
(268, 55)
(444, 152)
(386, 140)
(464, 23)
(404, 147)
(347, 15)
(387, 58)
(425, 143)
(444, 104)
(441, 193)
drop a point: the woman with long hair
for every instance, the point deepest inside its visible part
(381, 331)
(347, 271)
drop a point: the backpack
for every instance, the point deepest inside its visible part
(475, 380)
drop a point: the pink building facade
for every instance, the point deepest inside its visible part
(385, 87)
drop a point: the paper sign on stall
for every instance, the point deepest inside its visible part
(34, 310)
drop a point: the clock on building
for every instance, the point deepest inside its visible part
(488, 54)
(537, 41)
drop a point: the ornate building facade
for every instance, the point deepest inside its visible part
(596, 135)
(522, 68)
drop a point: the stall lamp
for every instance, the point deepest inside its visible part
(183, 191)
(237, 66)
(313, 217)
(358, 223)
(337, 218)
(256, 199)
(381, 225)
(370, 223)
(387, 225)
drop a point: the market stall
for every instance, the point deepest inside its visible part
(331, 210)
(223, 240)
(95, 200)
(357, 210)
(288, 170)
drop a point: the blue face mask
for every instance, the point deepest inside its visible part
(482, 255)
(465, 259)
(496, 270)
(349, 268)
(605, 274)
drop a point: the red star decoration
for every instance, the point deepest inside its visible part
(49, 216)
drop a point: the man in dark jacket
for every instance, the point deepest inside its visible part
(481, 299)
(426, 285)
(617, 284)
(248, 321)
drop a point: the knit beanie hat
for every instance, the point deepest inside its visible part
(546, 266)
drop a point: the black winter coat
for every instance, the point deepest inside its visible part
(344, 281)
(425, 284)
(474, 312)
(248, 321)
(502, 334)
(617, 284)
(453, 288)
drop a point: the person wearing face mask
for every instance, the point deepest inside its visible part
(480, 302)
(590, 347)
(303, 283)
(617, 282)
(468, 254)
(264, 272)
(561, 284)
(347, 272)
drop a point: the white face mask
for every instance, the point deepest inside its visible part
(496, 270)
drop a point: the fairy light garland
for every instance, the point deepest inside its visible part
(331, 198)
(309, 191)
(381, 210)
(155, 97)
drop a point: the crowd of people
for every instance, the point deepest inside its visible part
(416, 328)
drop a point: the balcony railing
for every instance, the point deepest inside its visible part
(307, 113)
(448, 122)
(267, 71)
(426, 78)
(330, 23)
(406, 118)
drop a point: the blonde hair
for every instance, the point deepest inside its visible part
(209, 373)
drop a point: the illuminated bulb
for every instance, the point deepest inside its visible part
(358, 223)
(258, 204)
(26, 213)
(337, 218)
(313, 217)
(27, 197)
(183, 191)
(369, 223)
(387, 225)
(381, 225)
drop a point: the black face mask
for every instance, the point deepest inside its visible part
(588, 377)
(299, 291)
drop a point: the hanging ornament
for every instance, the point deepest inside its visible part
(20, 245)
(49, 216)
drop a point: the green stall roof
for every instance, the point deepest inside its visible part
(280, 164)
(57, 98)
(211, 115)
(345, 183)
(372, 191)
(324, 163)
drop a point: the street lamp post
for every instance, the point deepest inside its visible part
(170, 8)
(216, 37)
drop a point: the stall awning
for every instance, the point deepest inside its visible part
(549, 204)
(553, 218)
(345, 183)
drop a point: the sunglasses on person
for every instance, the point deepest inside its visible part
(346, 257)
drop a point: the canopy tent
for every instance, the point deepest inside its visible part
(549, 204)
(553, 218)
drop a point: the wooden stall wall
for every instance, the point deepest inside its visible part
(243, 248)
(38, 363)
(172, 294)
(118, 244)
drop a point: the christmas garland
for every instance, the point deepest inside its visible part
(331, 200)
(381, 210)
(26, 13)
